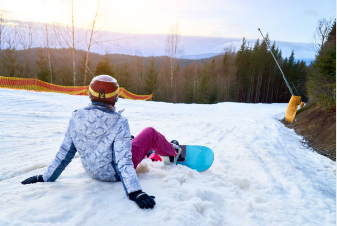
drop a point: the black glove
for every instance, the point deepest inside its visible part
(142, 199)
(33, 179)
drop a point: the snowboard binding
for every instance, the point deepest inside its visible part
(177, 156)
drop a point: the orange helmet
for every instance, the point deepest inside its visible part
(104, 88)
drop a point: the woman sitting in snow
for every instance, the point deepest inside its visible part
(102, 137)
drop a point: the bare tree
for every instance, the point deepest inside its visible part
(90, 42)
(3, 28)
(25, 31)
(73, 39)
(172, 49)
(322, 32)
(66, 36)
(9, 62)
(48, 55)
(25, 35)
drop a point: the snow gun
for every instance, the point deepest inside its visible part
(295, 100)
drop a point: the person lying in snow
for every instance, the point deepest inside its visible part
(102, 137)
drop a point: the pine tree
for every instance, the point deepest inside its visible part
(138, 76)
(43, 72)
(9, 62)
(203, 94)
(222, 80)
(104, 67)
(151, 77)
(123, 76)
(242, 62)
(213, 82)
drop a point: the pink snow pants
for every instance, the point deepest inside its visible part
(149, 139)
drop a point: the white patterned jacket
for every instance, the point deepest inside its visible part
(102, 138)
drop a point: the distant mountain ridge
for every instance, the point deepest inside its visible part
(192, 47)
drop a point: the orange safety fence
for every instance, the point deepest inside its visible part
(128, 95)
(37, 85)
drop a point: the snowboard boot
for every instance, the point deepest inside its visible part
(154, 156)
(176, 156)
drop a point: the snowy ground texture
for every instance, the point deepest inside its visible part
(262, 174)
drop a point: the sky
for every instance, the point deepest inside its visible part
(287, 20)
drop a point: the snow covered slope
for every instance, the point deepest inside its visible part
(262, 174)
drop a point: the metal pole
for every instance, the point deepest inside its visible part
(295, 89)
(284, 77)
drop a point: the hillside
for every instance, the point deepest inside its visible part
(262, 173)
(318, 127)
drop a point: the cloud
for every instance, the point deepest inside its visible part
(310, 12)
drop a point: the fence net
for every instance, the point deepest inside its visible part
(38, 85)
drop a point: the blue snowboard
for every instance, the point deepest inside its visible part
(196, 157)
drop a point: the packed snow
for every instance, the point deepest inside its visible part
(262, 173)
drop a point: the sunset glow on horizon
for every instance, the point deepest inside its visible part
(286, 20)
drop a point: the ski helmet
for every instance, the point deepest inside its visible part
(104, 88)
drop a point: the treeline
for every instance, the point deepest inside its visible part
(248, 75)
(259, 80)
(321, 84)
